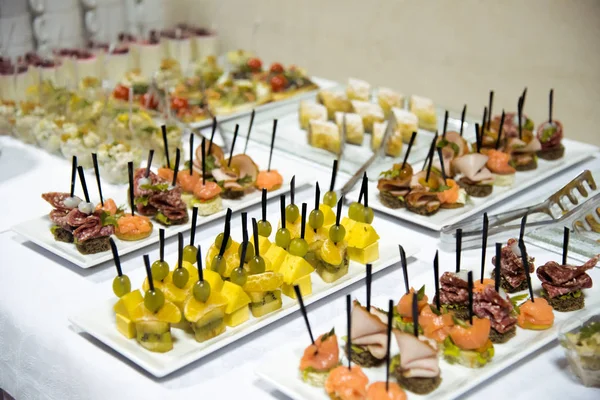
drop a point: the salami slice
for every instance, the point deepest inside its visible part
(489, 304)
(559, 279)
(56, 200)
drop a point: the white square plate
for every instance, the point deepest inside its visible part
(575, 152)
(99, 319)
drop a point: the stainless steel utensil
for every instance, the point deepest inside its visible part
(391, 125)
(557, 208)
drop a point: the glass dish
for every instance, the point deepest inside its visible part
(582, 347)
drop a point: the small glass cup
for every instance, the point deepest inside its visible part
(584, 361)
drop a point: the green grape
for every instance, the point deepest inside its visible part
(330, 198)
(283, 237)
(257, 265)
(154, 300)
(298, 247)
(249, 252)
(292, 213)
(337, 233)
(219, 241)
(180, 277)
(201, 291)
(264, 228)
(160, 270)
(189, 254)
(368, 215)
(355, 211)
(218, 263)
(121, 285)
(316, 218)
(239, 276)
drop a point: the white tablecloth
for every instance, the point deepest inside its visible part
(43, 357)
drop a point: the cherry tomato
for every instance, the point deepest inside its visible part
(276, 68)
(149, 101)
(121, 92)
(255, 64)
(178, 103)
(278, 83)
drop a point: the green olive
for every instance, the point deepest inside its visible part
(249, 252)
(201, 291)
(292, 213)
(160, 270)
(264, 228)
(121, 285)
(239, 276)
(316, 219)
(355, 211)
(180, 277)
(219, 241)
(298, 247)
(189, 254)
(154, 300)
(368, 215)
(283, 237)
(337, 233)
(330, 198)
(257, 265)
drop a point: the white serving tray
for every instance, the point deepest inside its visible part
(290, 138)
(37, 230)
(98, 320)
(281, 371)
(575, 152)
(322, 83)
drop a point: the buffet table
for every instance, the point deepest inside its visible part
(43, 356)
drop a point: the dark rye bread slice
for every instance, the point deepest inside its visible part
(390, 201)
(507, 287)
(232, 194)
(497, 337)
(93, 246)
(531, 165)
(553, 153)
(417, 385)
(475, 190)
(364, 358)
(565, 304)
(62, 235)
(422, 210)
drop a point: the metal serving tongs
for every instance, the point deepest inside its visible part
(391, 125)
(557, 208)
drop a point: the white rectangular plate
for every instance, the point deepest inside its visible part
(291, 138)
(323, 84)
(37, 230)
(282, 371)
(99, 319)
(575, 152)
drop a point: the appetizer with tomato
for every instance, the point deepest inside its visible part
(286, 83)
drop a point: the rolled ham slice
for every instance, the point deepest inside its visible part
(418, 358)
(517, 145)
(472, 166)
(369, 331)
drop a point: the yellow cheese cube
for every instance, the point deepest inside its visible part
(235, 295)
(263, 244)
(276, 256)
(362, 235)
(305, 284)
(364, 256)
(348, 224)
(237, 317)
(128, 302)
(126, 326)
(214, 280)
(294, 268)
